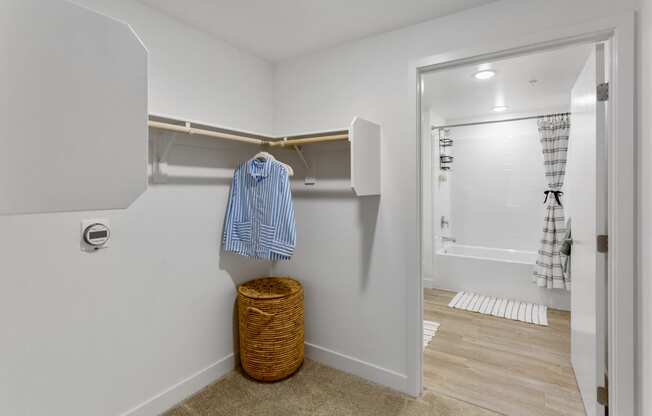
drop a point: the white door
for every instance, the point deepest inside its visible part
(586, 205)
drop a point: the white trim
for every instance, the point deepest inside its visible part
(620, 29)
(621, 196)
(428, 283)
(357, 367)
(175, 394)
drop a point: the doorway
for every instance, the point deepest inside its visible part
(483, 172)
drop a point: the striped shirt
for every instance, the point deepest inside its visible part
(260, 216)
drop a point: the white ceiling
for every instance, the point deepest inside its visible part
(456, 96)
(278, 29)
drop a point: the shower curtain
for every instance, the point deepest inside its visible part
(553, 132)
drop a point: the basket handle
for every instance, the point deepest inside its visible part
(259, 312)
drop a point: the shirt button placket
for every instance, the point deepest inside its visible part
(256, 220)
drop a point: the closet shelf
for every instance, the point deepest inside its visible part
(219, 133)
(187, 128)
(287, 142)
(364, 136)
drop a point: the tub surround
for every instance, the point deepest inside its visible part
(495, 272)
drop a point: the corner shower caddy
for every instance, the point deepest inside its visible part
(445, 147)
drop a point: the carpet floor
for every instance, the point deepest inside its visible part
(315, 390)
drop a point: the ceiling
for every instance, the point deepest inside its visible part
(456, 96)
(278, 29)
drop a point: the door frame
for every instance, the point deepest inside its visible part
(620, 30)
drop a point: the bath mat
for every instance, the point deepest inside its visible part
(430, 329)
(502, 308)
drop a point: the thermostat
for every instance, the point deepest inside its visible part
(95, 234)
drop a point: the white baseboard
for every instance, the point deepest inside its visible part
(175, 394)
(357, 367)
(185, 388)
(428, 283)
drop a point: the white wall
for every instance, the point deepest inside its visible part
(496, 199)
(195, 76)
(369, 78)
(427, 199)
(99, 334)
(644, 287)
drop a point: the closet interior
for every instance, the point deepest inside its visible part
(363, 135)
(319, 208)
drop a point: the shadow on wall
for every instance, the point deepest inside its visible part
(242, 269)
(199, 161)
(236, 333)
(368, 208)
(329, 163)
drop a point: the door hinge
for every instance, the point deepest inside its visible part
(603, 393)
(602, 242)
(602, 91)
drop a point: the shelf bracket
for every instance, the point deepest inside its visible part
(162, 146)
(302, 157)
(311, 178)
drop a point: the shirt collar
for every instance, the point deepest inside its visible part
(259, 168)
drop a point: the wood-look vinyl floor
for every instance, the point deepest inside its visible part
(509, 367)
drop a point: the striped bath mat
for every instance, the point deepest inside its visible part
(430, 329)
(502, 308)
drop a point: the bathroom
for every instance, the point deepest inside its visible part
(486, 192)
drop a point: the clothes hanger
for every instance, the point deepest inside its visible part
(288, 168)
(269, 156)
(264, 156)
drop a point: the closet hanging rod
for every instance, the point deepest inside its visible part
(284, 142)
(309, 140)
(478, 123)
(187, 128)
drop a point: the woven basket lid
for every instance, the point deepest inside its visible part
(269, 288)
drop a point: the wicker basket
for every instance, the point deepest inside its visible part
(270, 317)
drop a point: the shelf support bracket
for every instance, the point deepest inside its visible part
(311, 178)
(161, 151)
(302, 157)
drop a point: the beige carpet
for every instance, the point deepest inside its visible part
(315, 390)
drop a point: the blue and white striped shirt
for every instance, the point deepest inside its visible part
(260, 216)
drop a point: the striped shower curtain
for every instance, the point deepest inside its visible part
(553, 132)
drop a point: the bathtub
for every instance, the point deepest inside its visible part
(495, 272)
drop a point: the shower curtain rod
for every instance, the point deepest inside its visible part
(477, 123)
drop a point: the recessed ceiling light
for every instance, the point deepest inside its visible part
(500, 108)
(485, 74)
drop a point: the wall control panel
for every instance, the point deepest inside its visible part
(95, 234)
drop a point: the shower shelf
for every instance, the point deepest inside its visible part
(445, 145)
